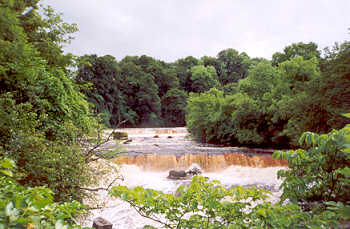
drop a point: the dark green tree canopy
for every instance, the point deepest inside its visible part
(305, 50)
(233, 65)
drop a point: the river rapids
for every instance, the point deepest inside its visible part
(151, 152)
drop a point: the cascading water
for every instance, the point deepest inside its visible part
(153, 152)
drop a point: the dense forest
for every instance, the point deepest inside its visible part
(231, 99)
(49, 133)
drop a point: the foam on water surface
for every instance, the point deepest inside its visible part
(121, 215)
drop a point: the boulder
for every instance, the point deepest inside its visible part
(101, 223)
(177, 174)
(194, 170)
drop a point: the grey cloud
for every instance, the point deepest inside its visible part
(172, 29)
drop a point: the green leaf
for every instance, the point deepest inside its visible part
(261, 212)
(7, 172)
(7, 164)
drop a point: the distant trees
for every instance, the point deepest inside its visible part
(233, 66)
(130, 90)
(139, 89)
(173, 107)
(203, 78)
(257, 102)
(307, 51)
(274, 105)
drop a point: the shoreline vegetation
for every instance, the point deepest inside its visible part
(54, 106)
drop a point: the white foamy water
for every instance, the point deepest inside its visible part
(121, 215)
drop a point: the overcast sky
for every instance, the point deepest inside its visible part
(173, 29)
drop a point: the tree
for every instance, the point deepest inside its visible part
(43, 116)
(173, 107)
(234, 66)
(103, 76)
(335, 84)
(305, 50)
(182, 67)
(141, 93)
(164, 77)
(203, 78)
(274, 105)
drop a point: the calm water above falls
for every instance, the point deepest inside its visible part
(153, 152)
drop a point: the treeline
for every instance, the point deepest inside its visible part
(256, 102)
(297, 91)
(143, 92)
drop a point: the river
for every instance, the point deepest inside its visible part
(151, 152)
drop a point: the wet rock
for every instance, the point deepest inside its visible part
(101, 223)
(194, 171)
(179, 175)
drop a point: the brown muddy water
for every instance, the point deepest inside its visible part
(151, 152)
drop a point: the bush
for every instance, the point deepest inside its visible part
(22, 207)
(319, 175)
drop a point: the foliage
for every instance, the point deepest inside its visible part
(274, 105)
(22, 207)
(130, 91)
(215, 118)
(203, 78)
(140, 91)
(206, 204)
(99, 74)
(233, 66)
(173, 104)
(164, 76)
(182, 68)
(43, 116)
(307, 51)
(205, 113)
(319, 174)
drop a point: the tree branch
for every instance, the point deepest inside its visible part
(147, 216)
(91, 152)
(120, 177)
